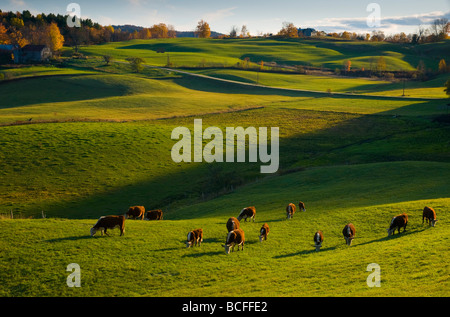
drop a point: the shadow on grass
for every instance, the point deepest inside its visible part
(74, 238)
(395, 236)
(303, 252)
(170, 249)
(197, 255)
(41, 89)
(352, 140)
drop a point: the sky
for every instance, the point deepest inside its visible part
(260, 16)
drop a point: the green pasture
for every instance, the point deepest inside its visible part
(88, 168)
(151, 258)
(413, 89)
(122, 96)
(83, 140)
(228, 52)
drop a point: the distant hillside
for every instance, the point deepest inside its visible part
(128, 28)
(132, 28)
(192, 34)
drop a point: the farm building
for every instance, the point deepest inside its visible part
(307, 32)
(8, 52)
(24, 55)
(33, 54)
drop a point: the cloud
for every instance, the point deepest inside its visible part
(425, 18)
(219, 14)
(18, 3)
(136, 2)
(104, 20)
(388, 24)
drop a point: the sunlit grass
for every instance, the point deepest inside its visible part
(151, 259)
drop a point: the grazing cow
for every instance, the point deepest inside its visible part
(264, 232)
(154, 215)
(397, 223)
(136, 212)
(194, 236)
(430, 215)
(318, 239)
(109, 222)
(301, 206)
(249, 212)
(232, 224)
(349, 233)
(235, 237)
(290, 211)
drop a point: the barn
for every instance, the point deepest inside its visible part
(33, 54)
(8, 52)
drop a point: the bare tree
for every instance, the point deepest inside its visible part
(244, 31)
(78, 36)
(421, 32)
(234, 31)
(172, 33)
(439, 26)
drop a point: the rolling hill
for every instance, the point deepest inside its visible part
(152, 260)
(80, 140)
(227, 52)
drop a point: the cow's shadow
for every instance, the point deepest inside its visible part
(396, 235)
(303, 252)
(73, 238)
(207, 240)
(197, 255)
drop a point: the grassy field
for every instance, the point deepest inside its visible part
(116, 94)
(228, 52)
(142, 263)
(61, 166)
(430, 89)
(83, 140)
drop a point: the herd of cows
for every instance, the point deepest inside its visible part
(236, 236)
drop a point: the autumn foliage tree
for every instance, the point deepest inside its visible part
(55, 39)
(4, 38)
(16, 37)
(203, 30)
(288, 30)
(347, 65)
(157, 31)
(108, 33)
(442, 66)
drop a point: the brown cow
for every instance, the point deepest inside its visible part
(194, 236)
(430, 215)
(109, 222)
(290, 211)
(349, 233)
(301, 206)
(249, 212)
(235, 237)
(232, 224)
(398, 222)
(136, 212)
(154, 215)
(264, 232)
(318, 239)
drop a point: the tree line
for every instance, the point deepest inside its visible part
(436, 32)
(22, 28)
